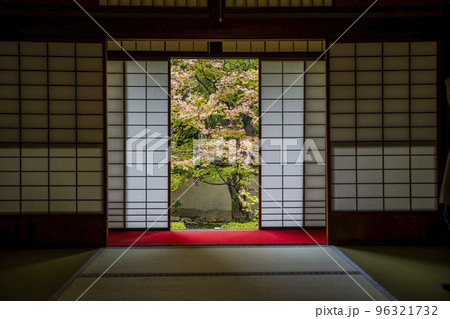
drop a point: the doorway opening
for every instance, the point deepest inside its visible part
(288, 107)
(214, 144)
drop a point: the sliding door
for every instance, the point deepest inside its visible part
(138, 144)
(293, 126)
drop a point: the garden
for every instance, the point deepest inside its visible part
(214, 143)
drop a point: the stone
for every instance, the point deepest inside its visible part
(198, 219)
(186, 219)
(210, 219)
(175, 219)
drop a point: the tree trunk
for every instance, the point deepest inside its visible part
(250, 129)
(237, 215)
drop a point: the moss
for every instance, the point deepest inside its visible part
(233, 225)
(203, 225)
(177, 225)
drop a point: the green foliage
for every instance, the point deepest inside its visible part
(249, 225)
(176, 204)
(249, 201)
(177, 225)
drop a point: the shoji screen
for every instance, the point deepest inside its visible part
(383, 126)
(277, 3)
(315, 131)
(292, 192)
(155, 3)
(229, 46)
(138, 144)
(51, 130)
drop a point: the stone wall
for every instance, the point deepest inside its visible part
(204, 203)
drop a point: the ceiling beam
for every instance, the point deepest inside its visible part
(368, 29)
(384, 22)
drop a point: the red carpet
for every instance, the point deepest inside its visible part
(218, 237)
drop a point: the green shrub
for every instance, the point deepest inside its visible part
(233, 225)
(177, 225)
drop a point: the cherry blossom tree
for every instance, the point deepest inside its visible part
(214, 128)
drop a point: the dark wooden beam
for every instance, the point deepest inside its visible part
(144, 56)
(216, 10)
(379, 29)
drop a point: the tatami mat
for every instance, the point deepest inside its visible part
(223, 273)
(246, 259)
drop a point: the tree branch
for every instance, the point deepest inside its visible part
(218, 172)
(213, 82)
(203, 84)
(209, 183)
